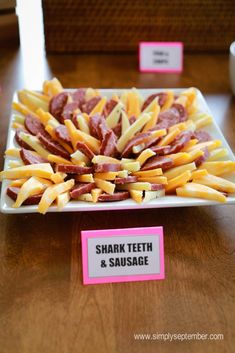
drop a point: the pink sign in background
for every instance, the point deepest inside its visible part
(175, 57)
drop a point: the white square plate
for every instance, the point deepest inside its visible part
(167, 201)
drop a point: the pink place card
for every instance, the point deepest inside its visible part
(122, 255)
(161, 57)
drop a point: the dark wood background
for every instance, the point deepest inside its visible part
(43, 305)
(119, 25)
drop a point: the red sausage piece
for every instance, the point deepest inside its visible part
(29, 158)
(80, 189)
(12, 192)
(53, 146)
(158, 162)
(74, 169)
(117, 196)
(57, 104)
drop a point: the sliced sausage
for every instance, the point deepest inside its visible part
(132, 119)
(79, 96)
(181, 110)
(90, 104)
(129, 179)
(34, 126)
(161, 150)
(81, 146)
(61, 132)
(94, 122)
(136, 140)
(117, 196)
(109, 106)
(68, 111)
(57, 104)
(155, 187)
(162, 97)
(158, 162)
(201, 136)
(107, 167)
(12, 192)
(80, 189)
(74, 169)
(103, 129)
(180, 141)
(202, 158)
(108, 145)
(53, 146)
(20, 142)
(30, 158)
(118, 130)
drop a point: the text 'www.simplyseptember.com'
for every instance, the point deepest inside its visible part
(167, 336)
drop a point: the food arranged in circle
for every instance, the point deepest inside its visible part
(83, 146)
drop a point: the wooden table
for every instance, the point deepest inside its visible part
(45, 307)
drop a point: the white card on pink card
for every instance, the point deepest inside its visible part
(122, 255)
(161, 56)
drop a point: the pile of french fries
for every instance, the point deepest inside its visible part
(109, 176)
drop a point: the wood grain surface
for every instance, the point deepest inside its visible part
(43, 305)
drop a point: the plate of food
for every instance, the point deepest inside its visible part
(113, 149)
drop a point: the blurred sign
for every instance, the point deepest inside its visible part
(161, 56)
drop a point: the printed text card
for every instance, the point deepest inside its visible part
(122, 255)
(160, 56)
